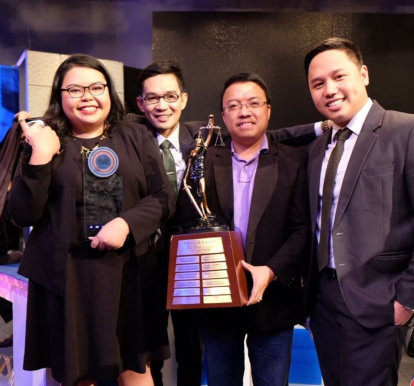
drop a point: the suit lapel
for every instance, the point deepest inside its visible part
(264, 187)
(224, 181)
(186, 139)
(360, 153)
(185, 136)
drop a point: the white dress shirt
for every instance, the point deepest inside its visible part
(355, 125)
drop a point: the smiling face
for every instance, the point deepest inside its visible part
(246, 125)
(88, 113)
(162, 115)
(337, 85)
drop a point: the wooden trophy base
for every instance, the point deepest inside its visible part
(205, 271)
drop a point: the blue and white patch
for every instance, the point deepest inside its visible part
(103, 162)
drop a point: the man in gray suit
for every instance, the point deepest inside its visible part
(360, 287)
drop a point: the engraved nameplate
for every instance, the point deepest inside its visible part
(186, 283)
(187, 291)
(187, 267)
(187, 275)
(186, 300)
(214, 274)
(217, 291)
(187, 259)
(217, 299)
(213, 258)
(213, 266)
(216, 282)
(200, 246)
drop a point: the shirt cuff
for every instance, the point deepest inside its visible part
(318, 128)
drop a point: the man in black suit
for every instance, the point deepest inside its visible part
(361, 279)
(257, 187)
(162, 98)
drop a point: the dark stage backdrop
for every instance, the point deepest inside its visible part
(213, 46)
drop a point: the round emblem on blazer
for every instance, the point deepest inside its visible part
(103, 162)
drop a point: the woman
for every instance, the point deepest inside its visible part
(95, 192)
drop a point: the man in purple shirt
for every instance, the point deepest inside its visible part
(258, 187)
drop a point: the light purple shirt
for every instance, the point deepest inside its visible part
(244, 173)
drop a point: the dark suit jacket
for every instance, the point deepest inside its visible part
(277, 234)
(373, 232)
(185, 212)
(299, 135)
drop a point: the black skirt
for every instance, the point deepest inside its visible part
(107, 321)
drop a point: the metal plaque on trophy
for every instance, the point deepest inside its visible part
(205, 269)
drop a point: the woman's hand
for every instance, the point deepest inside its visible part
(43, 140)
(22, 115)
(112, 235)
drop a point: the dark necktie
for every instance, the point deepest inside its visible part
(169, 163)
(327, 196)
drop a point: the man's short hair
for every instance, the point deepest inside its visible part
(335, 43)
(159, 68)
(242, 78)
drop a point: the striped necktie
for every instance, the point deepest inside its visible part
(169, 163)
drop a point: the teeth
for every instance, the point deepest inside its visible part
(335, 103)
(88, 108)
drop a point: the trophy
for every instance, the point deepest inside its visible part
(194, 182)
(205, 269)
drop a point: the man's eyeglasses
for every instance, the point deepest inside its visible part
(153, 99)
(250, 105)
(79, 91)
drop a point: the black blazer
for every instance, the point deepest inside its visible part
(185, 213)
(44, 196)
(277, 234)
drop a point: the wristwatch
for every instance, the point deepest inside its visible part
(326, 125)
(408, 308)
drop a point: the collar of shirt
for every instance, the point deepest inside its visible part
(174, 138)
(355, 124)
(264, 148)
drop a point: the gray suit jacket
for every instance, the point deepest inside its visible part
(373, 231)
